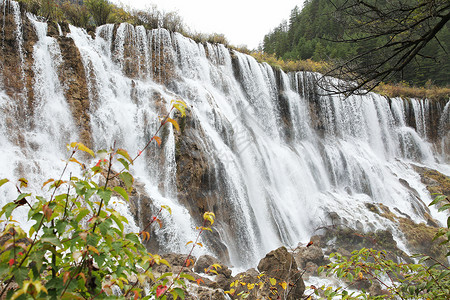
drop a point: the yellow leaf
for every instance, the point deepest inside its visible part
(174, 123)
(73, 159)
(125, 154)
(157, 139)
(23, 182)
(82, 147)
(283, 285)
(93, 249)
(48, 181)
(250, 286)
(181, 109)
(166, 207)
(210, 216)
(273, 281)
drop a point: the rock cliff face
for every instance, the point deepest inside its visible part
(266, 151)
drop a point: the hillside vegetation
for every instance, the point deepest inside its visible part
(318, 30)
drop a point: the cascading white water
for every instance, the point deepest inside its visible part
(281, 172)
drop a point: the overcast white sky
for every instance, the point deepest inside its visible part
(244, 22)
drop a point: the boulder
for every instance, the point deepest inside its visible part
(204, 263)
(309, 254)
(280, 265)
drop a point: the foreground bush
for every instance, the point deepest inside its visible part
(78, 247)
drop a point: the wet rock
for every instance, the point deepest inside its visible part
(204, 265)
(309, 254)
(281, 265)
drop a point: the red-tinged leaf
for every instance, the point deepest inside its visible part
(83, 235)
(23, 182)
(66, 276)
(125, 154)
(136, 295)
(139, 153)
(160, 290)
(200, 280)
(160, 223)
(48, 181)
(174, 123)
(309, 244)
(157, 139)
(47, 212)
(20, 253)
(187, 262)
(11, 262)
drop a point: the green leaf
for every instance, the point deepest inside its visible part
(81, 214)
(128, 179)
(122, 192)
(104, 226)
(437, 199)
(118, 221)
(23, 195)
(125, 154)
(444, 207)
(61, 226)
(4, 269)
(133, 237)
(105, 195)
(38, 258)
(92, 239)
(100, 259)
(187, 276)
(8, 209)
(124, 163)
(52, 240)
(3, 181)
(20, 274)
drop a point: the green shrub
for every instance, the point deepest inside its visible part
(100, 10)
(77, 247)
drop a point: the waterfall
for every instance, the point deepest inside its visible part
(276, 157)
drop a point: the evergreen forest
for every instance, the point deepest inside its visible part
(319, 31)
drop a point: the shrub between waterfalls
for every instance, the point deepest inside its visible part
(77, 247)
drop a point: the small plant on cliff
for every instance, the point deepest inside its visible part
(426, 279)
(78, 247)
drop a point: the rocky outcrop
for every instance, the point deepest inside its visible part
(72, 74)
(435, 181)
(17, 39)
